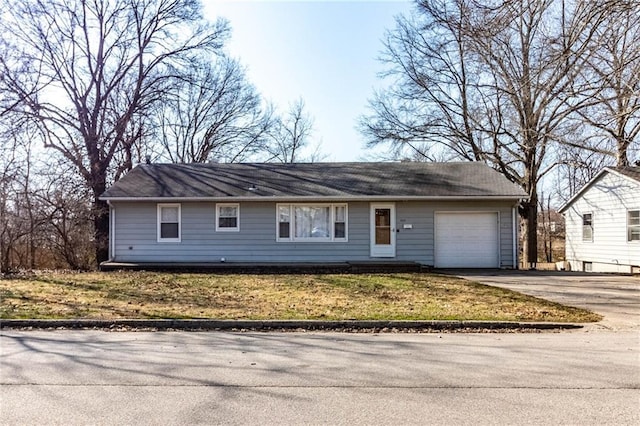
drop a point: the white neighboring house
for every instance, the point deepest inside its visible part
(603, 223)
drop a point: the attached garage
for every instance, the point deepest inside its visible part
(466, 240)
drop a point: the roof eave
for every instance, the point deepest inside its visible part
(321, 198)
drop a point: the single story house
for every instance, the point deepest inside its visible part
(603, 223)
(446, 215)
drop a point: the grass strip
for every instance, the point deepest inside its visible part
(140, 295)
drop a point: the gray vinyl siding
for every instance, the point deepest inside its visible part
(415, 244)
(135, 234)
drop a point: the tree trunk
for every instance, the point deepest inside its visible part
(529, 213)
(622, 159)
(4, 266)
(101, 230)
(100, 218)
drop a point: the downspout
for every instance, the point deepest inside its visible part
(514, 233)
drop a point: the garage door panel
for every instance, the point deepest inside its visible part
(466, 240)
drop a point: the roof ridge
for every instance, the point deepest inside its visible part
(430, 163)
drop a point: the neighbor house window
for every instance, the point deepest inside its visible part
(633, 225)
(312, 222)
(227, 217)
(169, 222)
(587, 227)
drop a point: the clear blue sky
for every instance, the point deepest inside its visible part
(324, 52)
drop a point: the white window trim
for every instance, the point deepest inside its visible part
(332, 223)
(628, 226)
(223, 229)
(582, 227)
(159, 222)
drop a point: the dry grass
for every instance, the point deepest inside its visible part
(332, 297)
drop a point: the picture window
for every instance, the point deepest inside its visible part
(312, 222)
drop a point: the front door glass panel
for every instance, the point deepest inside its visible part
(383, 226)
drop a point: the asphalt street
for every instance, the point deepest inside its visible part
(97, 377)
(584, 377)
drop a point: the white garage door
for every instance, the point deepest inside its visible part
(466, 240)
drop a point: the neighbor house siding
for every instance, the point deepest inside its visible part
(608, 200)
(135, 234)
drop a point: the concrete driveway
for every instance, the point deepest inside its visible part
(616, 297)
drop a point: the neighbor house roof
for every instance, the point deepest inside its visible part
(312, 181)
(631, 173)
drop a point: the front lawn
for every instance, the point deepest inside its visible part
(331, 297)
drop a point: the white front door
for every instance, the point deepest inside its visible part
(383, 230)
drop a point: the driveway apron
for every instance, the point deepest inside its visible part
(615, 297)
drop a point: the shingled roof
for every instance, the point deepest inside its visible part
(629, 171)
(313, 181)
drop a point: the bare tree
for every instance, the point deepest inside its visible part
(613, 76)
(291, 135)
(488, 81)
(530, 85)
(39, 195)
(87, 72)
(213, 113)
(65, 204)
(577, 167)
(430, 105)
(10, 164)
(20, 221)
(551, 230)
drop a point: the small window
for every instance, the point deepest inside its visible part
(587, 266)
(169, 222)
(587, 227)
(284, 222)
(227, 217)
(633, 225)
(340, 222)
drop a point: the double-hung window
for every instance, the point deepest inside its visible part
(227, 217)
(311, 222)
(633, 225)
(340, 222)
(284, 222)
(587, 227)
(169, 227)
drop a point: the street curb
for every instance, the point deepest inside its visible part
(280, 325)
